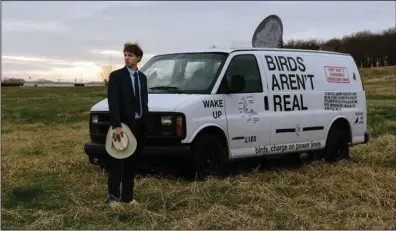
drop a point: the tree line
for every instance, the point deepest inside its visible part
(367, 48)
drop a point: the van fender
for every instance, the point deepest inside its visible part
(200, 128)
(337, 118)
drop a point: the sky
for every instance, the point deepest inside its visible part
(71, 41)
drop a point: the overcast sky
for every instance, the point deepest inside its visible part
(67, 40)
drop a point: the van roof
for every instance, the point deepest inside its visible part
(254, 49)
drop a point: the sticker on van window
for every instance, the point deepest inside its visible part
(335, 101)
(336, 74)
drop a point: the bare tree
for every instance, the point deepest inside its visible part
(106, 71)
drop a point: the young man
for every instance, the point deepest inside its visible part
(127, 98)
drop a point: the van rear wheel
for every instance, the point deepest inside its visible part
(208, 156)
(337, 145)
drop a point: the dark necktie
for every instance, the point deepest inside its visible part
(137, 95)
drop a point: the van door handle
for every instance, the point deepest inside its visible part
(266, 106)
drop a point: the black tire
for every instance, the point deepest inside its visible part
(315, 155)
(209, 155)
(337, 145)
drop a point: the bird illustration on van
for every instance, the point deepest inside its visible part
(247, 108)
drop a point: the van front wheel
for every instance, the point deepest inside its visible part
(337, 145)
(208, 156)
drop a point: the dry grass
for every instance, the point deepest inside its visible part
(47, 182)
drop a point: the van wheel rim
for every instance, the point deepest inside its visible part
(208, 161)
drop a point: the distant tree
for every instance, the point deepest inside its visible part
(333, 44)
(367, 48)
(389, 38)
(105, 72)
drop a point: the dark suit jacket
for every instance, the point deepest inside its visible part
(121, 98)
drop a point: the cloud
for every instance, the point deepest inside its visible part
(55, 68)
(74, 37)
(46, 60)
(30, 72)
(118, 54)
(109, 52)
(28, 25)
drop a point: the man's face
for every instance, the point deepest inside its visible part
(130, 59)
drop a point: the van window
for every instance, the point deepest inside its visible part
(186, 72)
(191, 67)
(246, 65)
(160, 72)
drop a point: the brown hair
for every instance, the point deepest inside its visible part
(133, 48)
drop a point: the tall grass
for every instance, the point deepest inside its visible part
(47, 182)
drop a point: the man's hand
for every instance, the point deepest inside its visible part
(118, 133)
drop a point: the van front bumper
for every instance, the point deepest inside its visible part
(97, 153)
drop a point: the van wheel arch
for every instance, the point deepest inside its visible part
(338, 139)
(215, 131)
(343, 123)
(215, 136)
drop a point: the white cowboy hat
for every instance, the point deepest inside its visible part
(123, 148)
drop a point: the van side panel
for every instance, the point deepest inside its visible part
(307, 92)
(203, 110)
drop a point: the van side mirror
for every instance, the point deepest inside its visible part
(236, 85)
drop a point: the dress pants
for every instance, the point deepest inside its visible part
(123, 171)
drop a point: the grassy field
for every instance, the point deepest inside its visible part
(47, 182)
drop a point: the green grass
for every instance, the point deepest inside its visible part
(47, 182)
(380, 85)
(49, 105)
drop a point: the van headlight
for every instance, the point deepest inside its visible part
(172, 125)
(95, 119)
(166, 120)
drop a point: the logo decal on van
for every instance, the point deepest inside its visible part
(359, 118)
(336, 74)
(289, 74)
(246, 109)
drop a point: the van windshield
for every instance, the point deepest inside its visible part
(184, 72)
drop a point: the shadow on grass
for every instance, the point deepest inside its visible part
(36, 195)
(180, 170)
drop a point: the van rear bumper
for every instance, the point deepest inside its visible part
(97, 153)
(361, 139)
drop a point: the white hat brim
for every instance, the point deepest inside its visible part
(128, 151)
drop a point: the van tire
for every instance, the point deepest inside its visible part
(337, 145)
(208, 156)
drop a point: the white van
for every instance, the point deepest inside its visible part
(217, 105)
